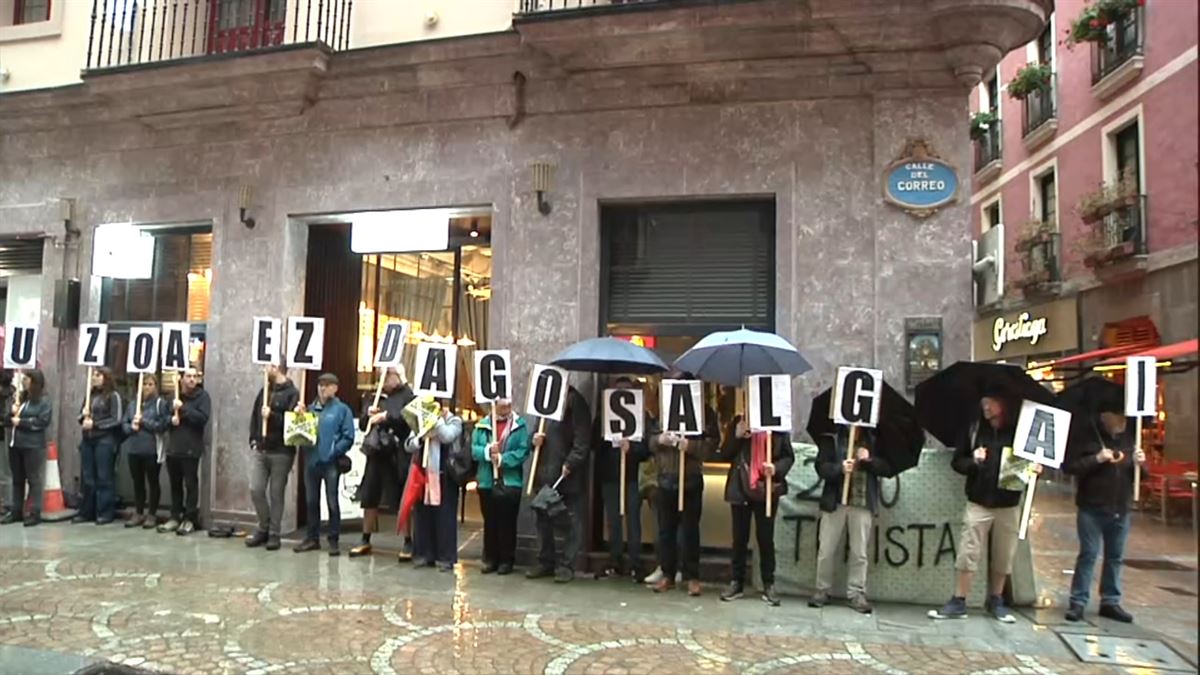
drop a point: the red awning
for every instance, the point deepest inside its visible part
(1108, 352)
(1165, 352)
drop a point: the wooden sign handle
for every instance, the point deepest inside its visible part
(537, 451)
(682, 467)
(137, 410)
(622, 479)
(495, 465)
(850, 443)
(1137, 466)
(176, 385)
(87, 396)
(770, 479)
(265, 400)
(1027, 509)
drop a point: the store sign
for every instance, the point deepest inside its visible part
(919, 181)
(1043, 329)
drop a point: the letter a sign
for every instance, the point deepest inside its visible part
(93, 344)
(20, 346)
(1042, 434)
(623, 416)
(682, 407)
(305, 342)
(436, 367)
(856, 396)
(143, 350)
(770, 403)
(176, 339)
(1141, 386)
(267, 348)
(547, 392)
(491, 375)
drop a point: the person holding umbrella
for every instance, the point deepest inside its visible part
(1101, 456)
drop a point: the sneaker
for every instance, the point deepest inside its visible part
(405, 553)
(306, 546)
(185, 528)
(169, 526)
(995, 607)
(488, 568)
(564, 576)
(654, 577)
(1075, 612)
(769, 596)
(663, 585)
(955, 608)
(734, 592)
(505, 569)
(32, 520)
(860, 604)
(273, 543)
(818, 600)
(360, 550)
(1115, 613)
(135, 520)
(257, 539)
(539, 573)
(150, 523)
(693, 588)
(10, 517)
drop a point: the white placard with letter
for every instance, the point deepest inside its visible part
(93, 344)
(305, 342)
(547, 396)
(391, 345)
(267, 343)
(770, 403)
(623, 414)
(176, 346)
(20, 346)
(1141, 386)
(857, 395)
(437, 364)
(492, 375)
(682, 407)
(142, 356)
(1042, 434)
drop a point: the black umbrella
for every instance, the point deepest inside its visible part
(609, 355)
(1086, 399)
(948, 402)
(898, 437)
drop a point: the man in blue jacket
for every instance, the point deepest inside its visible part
(335, 435)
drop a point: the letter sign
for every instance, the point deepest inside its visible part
(436, 367)
(143, 350)
(856, 396)
(623, 416)
(547, 392)
(491, 375)
(267, 345)
(391, 345)
(770, 403)
(93, 344)
(1042, 434)
(682, 407)
(305, 342)
(1141, 386)
(176, 339)
(20, 348)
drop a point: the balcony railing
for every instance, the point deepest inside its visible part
(546, 6)
(128, 32)
(1120, 234)
(1039, 107)
(1126, 39)
(987, 146)
(1040, 257)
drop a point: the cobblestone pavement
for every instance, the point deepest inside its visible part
(199, 605)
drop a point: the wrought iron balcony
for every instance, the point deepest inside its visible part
(987, 145)
(1039, 107)
(1120, 234)
(1126, 40)
(1040, 255)
(529, 7)
(129, 32)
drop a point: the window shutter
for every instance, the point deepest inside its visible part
(20, 255)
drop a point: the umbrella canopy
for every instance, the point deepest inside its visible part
(899, 438)
(609, 355)
(729, 357)
(948, 402)
(1092, 395)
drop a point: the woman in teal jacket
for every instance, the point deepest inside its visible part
(501, 438)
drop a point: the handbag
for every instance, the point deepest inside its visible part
(462, 466)
(378, 439)
(299, 428)
(343, 464)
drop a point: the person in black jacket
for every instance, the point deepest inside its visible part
(30, 418)
(188, 422)
(608, 469)
(746, 493)
(564, 452)
(1102, 463)
(990, 508)
(7, 394)
(98, 449)
(854, 520)
(145, 435)
(387, 465)
(271, 460)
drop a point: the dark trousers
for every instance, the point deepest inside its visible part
(97, 458)
(435, 528)
(632, 522)
(385, 466)
(559, 537)
(679, 530)
(184, 474)
(1097, 528)
(313, 478)
(144, 469)
(28, 468)
(764, 535)
(500, 525)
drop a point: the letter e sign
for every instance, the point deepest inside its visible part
(1042, 434)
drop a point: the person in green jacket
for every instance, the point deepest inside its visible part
(30, 419)
(502, 438)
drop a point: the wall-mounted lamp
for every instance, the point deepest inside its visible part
(543, 178)
(474, 233)
(244, 198)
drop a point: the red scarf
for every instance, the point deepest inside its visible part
(500, 429)
(758, 456)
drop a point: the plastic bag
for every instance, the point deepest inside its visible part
(300, 429)
(1015, 473)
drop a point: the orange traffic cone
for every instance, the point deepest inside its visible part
(54, 508)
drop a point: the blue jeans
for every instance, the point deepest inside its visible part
(313, 477)
(611, 493)
(1095, 528)
(97, 458)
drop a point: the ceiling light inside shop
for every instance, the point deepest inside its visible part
(122, 251)
(400, 231)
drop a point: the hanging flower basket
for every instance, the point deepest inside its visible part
(981, 122)
(1032, 77)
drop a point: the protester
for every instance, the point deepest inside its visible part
(746, 493)
(387, 462)
(7, 395)
(990, 508)
(335, 437)
(144, 448)
(271, 459)
(623, 533)
(30, 418)
(184, 450)
(563, 454)
(679, 532)
(435, 517)
(854, 520)
(1103, 467)
(97, 451)
(501, 439)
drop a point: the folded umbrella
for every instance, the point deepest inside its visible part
(899, 438)
(414, 492)
(948, 402)
(609, 355)
(729, 357)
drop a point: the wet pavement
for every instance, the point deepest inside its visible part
(70, 594)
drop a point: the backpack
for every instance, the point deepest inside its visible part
(462, 466)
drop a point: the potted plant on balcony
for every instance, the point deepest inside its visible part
(1032, 77)
(981, 122)
(1032, 234)
(1093, 206)
(1092, 23)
